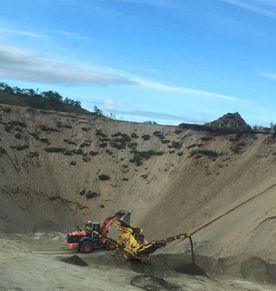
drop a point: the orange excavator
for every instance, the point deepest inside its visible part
(130, 240)
(87, 240)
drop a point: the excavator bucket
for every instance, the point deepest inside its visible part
(123, 216)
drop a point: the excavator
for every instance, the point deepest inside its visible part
(87, 240)
(130, 241)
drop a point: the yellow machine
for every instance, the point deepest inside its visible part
(131, 242)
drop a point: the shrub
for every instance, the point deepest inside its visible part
(8, 128)
(14, 123)
(103, 144)
(104, 177)
(77, 151)
(118, 144)
(109, 152)
(73, 163)
(92, 153)
(82, 192)
(32, 155)
(206, 138)
(85, 144)
(17, 135)
(86, 159)
(2, 151)
(191, 146)
(91, 194)
(206, 152)
(138, 157)
(44, 127)
(44, 139)
(158, 134)
(68, 141)
(165, 141)
(55, 150)
(133, 145)
(126, 137)
(116, 134)
(178, 131)
(176, 144)
(35, 135)
(6, 109)
(146, 137)
(20, 147)
(134, 135)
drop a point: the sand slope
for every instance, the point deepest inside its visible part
(53, 176)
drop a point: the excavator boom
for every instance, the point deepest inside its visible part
(134, 249)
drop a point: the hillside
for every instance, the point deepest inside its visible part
(60, 169)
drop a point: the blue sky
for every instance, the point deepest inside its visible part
(170, 61)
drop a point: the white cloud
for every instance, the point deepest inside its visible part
(142, 115)
(270, 75)
(109, 105)
(184, 90)
(18, 64)
(261, 7)
(23, 33)
(71, 35)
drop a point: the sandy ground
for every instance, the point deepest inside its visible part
(42, 262)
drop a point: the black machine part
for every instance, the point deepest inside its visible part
(123, 216)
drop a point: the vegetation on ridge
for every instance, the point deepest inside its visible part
(48, 100)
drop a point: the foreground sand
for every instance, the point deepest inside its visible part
(42, 262)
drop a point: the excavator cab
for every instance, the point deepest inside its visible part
(92, 225)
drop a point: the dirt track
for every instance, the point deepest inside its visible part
(42, 262)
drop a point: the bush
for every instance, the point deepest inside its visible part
(91, 194)
(138, 157)
(20, 147)
(86, 159)
(85, 144)
(32, 155)
(134, 135)
(158, 134)
(6, 109)
(2, 151)
(206, 138)
(55, 150)
(146, 137)
(209, 153)
(44, 139)
(176, 144)
(92, 153)
(103, 144)
(14, 123)
(68, 141)
(133, 145)
(104, 177)
(44, 127)
(109, 152)
(17, 135)
(178, 131)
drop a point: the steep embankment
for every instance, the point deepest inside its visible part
(58, 169)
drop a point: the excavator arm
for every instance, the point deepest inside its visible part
(134, 249)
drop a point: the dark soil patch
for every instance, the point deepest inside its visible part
(74, 260)
(151, 283)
